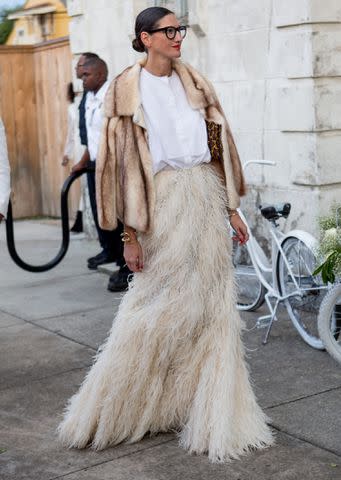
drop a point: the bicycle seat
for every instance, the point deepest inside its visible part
(273, 212)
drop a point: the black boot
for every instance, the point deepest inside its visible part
(78, 225)
(118, 281)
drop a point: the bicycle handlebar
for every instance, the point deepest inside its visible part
(258, 162)
(65, 229)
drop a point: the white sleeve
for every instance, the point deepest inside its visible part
(5, 188)
(69, 148)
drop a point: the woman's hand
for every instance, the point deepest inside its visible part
(83, 162)
(240, 228)
(133, 255)
(65, 160)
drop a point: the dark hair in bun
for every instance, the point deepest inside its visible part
(137, 45)
(145, 21)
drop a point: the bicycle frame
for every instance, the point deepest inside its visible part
(265, 267)
(259, 259)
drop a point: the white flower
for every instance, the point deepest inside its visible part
(330, 234)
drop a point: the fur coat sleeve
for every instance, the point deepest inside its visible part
(106, 176)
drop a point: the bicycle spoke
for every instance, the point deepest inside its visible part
(304, 291)
(250, 291)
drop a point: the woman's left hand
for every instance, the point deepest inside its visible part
(240, 228)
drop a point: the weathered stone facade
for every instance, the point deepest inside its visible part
(277, 68)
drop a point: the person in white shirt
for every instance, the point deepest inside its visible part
(174, 358)
(94, 76)
(5, 188)
(69, 147)
(71, 150)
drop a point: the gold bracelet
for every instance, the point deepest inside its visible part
(126, 237)
(233, 214)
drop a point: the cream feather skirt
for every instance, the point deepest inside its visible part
(174, 358)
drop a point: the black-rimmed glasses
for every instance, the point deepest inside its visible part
(171, 32)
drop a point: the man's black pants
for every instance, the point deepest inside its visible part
(110, 240)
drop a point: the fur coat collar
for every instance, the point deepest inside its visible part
(124, 176)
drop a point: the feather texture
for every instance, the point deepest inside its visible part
(174, 358)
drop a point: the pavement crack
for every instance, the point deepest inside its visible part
(305, 440)
(62, 335)
(42, 327)
(76, 312)
(46, 377)
(315, 394)
(12, 315)
(142, 449)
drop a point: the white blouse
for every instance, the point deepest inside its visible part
(176, 132)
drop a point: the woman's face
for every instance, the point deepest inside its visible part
(158, 42)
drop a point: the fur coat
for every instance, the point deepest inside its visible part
(124, 175)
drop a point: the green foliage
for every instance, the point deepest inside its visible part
(330, 245)
(6, 25)
(5, 30)
(333, 220)
(329, 267)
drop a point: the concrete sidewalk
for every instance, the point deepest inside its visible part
(51, 325)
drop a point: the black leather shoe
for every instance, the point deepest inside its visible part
(118, 282)
(100, 259)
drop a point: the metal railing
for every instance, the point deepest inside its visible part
(65, 229)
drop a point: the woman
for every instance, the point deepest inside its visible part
(174, 357)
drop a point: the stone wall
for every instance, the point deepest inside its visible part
(277, 69)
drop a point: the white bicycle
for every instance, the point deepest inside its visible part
(329, 322)
(284, 278)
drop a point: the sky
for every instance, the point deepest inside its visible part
(11, 3)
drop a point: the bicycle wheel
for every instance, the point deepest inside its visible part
(305, 297)
(250, 291)
(329, 322)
